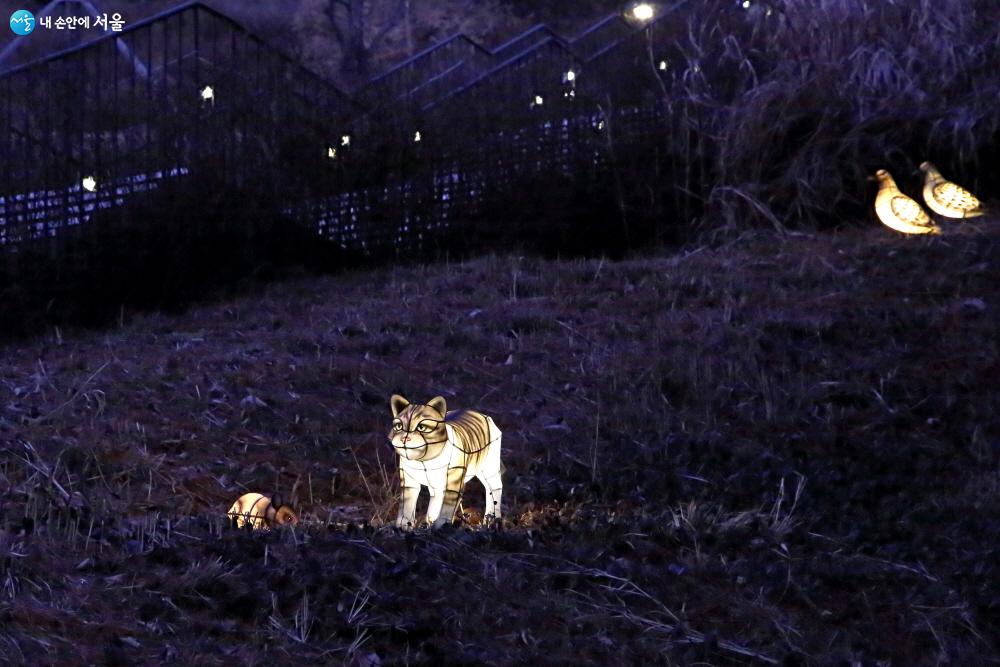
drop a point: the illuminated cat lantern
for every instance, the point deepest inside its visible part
(257, 511)
(443, 450)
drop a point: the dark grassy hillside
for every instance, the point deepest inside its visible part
(784, 450)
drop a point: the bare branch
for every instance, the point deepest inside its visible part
(380, 35)
(331, 13)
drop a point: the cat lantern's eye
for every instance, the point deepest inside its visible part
(397, 427)
(424, 427)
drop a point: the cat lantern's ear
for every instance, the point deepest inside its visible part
(438, 404)
(398, 404)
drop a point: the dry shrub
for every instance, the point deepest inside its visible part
(795, 103)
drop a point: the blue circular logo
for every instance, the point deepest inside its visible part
(22, 22)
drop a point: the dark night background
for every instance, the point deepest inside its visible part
(744, 423)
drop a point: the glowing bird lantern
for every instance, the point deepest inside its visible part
(897, 211)
(946, 198)
(257, 511)
(345, 140)
(89, 184)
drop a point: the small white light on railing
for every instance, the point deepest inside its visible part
(331, 153)
(208, 94)
(643, 11)
(345, 140)
(663, 65)
(417, 138)
(570, 76)
(538, 101)
(89, 184)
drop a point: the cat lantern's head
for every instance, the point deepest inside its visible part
(418, 432)
(283, 514)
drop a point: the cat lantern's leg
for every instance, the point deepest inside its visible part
(407, 517)
(450, 498)
(494, 489)
(491, 475)
(434, 505)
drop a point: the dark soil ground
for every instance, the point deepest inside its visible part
(784, 450)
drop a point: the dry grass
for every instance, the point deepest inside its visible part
(783, 110)
(805, 427)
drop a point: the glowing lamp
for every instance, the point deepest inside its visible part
(345, 140)
(208, 94)
(255, 510)
(331, 153)
(643, 12)
(538, 101)
(746, 4)
(897, 211)
(89, 184)
(416, 137)
(663, 65)
(570, 76)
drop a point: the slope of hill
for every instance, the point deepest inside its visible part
(782, 449)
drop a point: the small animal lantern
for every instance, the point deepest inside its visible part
(443, 450)
(257, 511)
(947, 199)
(897, 211)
